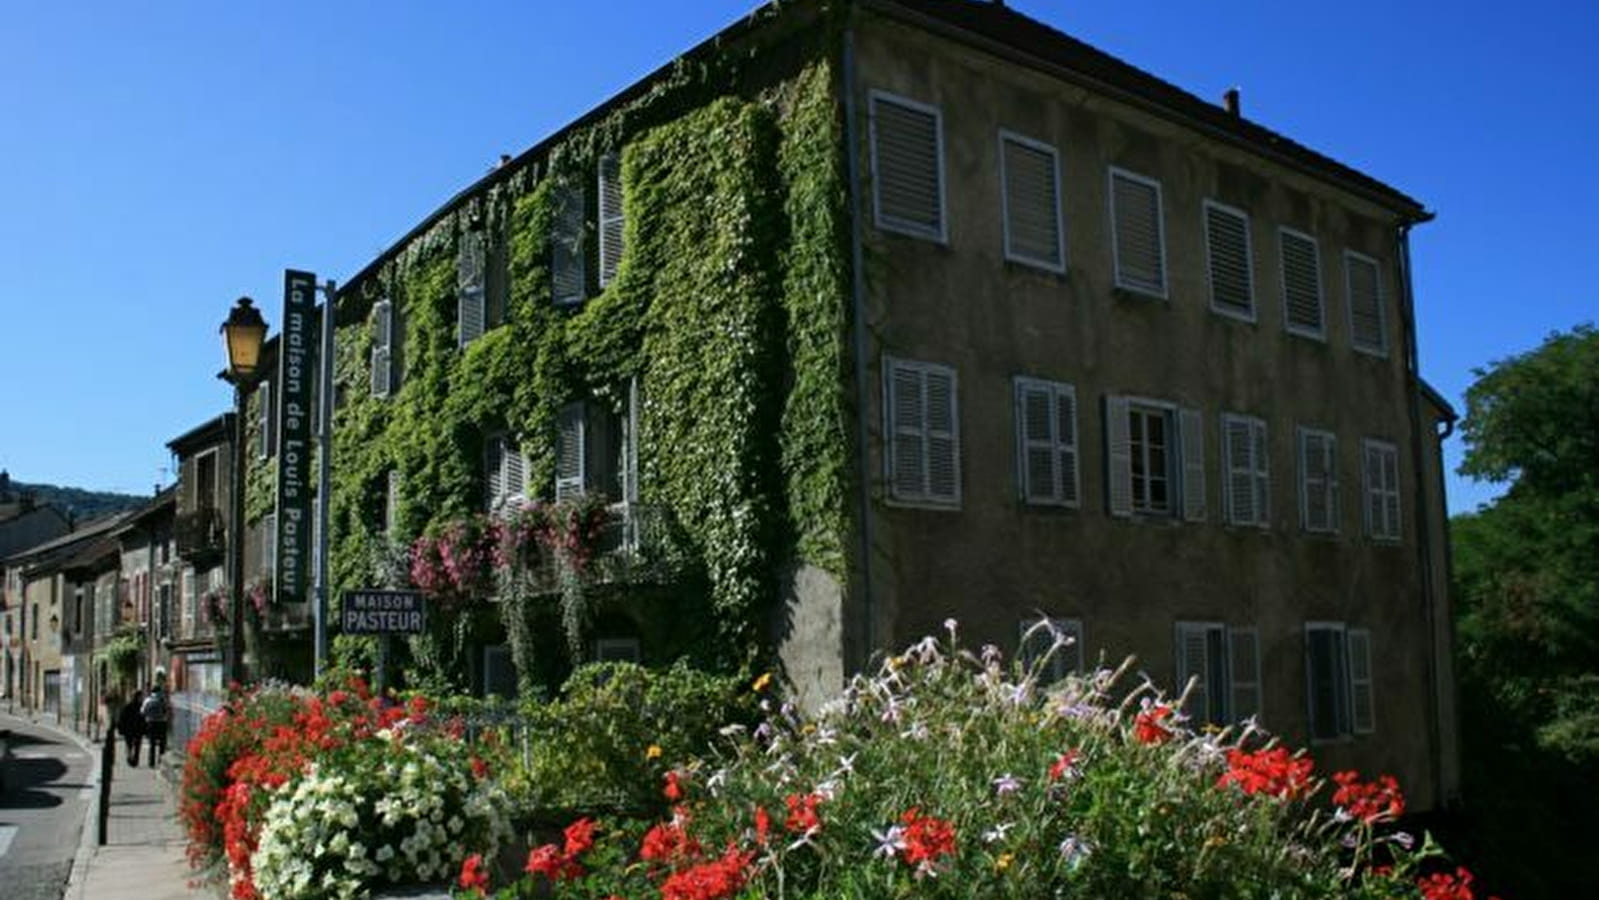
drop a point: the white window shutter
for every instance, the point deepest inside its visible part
(907, 430)
(1363, 285)
(1119, 458)
(566, 246)
(1066, 441)
(1137, 233)
(1193, 663)
(943, 437)
(1301, 274)
(1227, 246)
(1243, 648)
(269, 544)
(1028, 171)
(1362, 712)
(1262, 453)
(470, 268)
(494, 470)
(569, 452)
(611, 220)
(907, 166)
(1239, 497)
(515, 472)
(1373, 490)
(1035, 422)
(382, 347)
(1193, 450)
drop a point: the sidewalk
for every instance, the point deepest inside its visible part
(142, 858)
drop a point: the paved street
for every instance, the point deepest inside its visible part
(48, 786)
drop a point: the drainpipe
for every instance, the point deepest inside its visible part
(1429, 577)
(858, 333)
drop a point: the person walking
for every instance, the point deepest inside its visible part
(157, 713)
(130, 722)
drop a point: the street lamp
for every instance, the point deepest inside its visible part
(242, 335)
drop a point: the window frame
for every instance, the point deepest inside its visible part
(568, 195)
(1347, 724)
(1384, 492)
(925, 499)
(382, 355)
(1320, 333)
(940, 235)
(1258, 472)
(1171, 448)
(1331, 484)
(1160, 235)
(1059, 495)
(1380, 351)
(1058, 266)
(1252, 315)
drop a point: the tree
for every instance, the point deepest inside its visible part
(1526, 587)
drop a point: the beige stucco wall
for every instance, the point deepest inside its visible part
(994, 560)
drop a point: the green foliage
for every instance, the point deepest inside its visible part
(121, 655)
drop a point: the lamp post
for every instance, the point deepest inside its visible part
(242, 334)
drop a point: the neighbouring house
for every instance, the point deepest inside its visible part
(193, 650)
(23, 524)
(864, 315)
(149, 600)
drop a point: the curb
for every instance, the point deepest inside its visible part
(86, 844)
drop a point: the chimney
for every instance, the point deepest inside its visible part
(1230, 100)
(505, 160)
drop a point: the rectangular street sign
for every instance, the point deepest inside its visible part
(297, 358)
(382, 612)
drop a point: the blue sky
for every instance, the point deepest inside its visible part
(158, 160)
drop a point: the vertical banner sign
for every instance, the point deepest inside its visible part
(297, 355)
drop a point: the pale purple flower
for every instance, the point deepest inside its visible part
(1404, 839)
(1074, 850)
(1006, 784)
(997, 833)
(889, 843)
(991, 655)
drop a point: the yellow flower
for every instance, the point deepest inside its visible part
(654, 752)
(762, 682)
(1004, 861)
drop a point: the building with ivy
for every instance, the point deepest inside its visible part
(861, 316)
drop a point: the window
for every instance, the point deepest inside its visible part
(617, 649)
(1301, 283)
(1339, 680)
(1138, 238)
(205, 480)
(1363, 284)
(1046, 442)
(922, 426)
(611, 220)
(907, 166)
(1382, 489)
(1224, 664)
(1245, 455)
(568, 276)
(1156, 456)
(1318, 480)
(264, 420)
(470, 272)
(269, 545)
(1029, 177)
(382, 348)
(1232, 289)
(1062, 636)
(505, 469)
(588, 452)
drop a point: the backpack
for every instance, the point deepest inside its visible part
(155, 707)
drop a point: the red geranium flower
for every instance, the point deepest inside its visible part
(579, 837)
(802, 817)
(1443, 886)
(1371, 801)
(1274, 772)
(927, 839)
(473, 878)
(714, 880)
(1065, 766)
(763, 825)
(1147, 726)
(673, 790)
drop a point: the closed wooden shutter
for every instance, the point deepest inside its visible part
(1066, 444)
(1028, 170)
(1318, 480)
(924, 432)
(1363, 718)
(569, 452)
(470, 267)
(1390, 472)
(1118, 457)
(1262, 473)
(943, 438)
(1193, 663)
(1301, 267)
(1364, 286)
(1243, 645)
(1227, 246)
(1137, 233)
(1238, 451)
(1193, 450)
(1046, 436)
(567, 278)
(611, 221)
(907, 166)
(907, 427)
(515, 472)
(494, 470)
(382, 344)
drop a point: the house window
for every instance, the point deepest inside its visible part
(617, 649)
(1244, 451)
(1046, 442)
(1318, 480)
(1156, 455)
(505, 469)
(1029, 177)
(1363, 284)
(588, 452)
(1232, 289)
(1138, 238)
(470, 270)
(1054, 647)
(499, 672)
(1301, 262)
(1224, 665)
(1339, 680)
(264, 420)
(382, 348)
(611, 219)
(922, 425)
(1382, 489)
(907, 166)
(568, 275)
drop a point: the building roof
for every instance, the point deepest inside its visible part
(1446, 411)
(58, 548)
(207, 434)
(998, 29)
(165, 502)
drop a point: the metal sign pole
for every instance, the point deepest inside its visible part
(324, 490)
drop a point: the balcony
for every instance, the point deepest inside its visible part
(633, 546)
(201, 534)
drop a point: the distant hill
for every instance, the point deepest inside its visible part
(82, 505)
